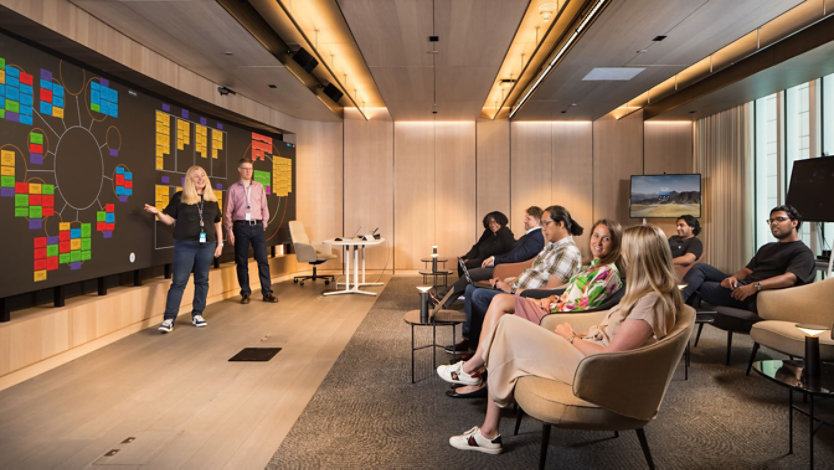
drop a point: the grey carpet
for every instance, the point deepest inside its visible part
(367, 414)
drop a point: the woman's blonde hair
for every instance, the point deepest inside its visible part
(189, 191)
(648, 261)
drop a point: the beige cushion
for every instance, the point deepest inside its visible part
(553, 402)
(785, 337)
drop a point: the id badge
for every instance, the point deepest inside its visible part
(248, 216)
(202, 237)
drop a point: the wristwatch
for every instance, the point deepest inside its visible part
(572, 337)
(758, 286)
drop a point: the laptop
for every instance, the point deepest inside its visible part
(465, 270)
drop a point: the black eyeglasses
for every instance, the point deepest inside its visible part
(779, 219)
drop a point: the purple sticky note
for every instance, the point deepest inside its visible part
(36, 158)
(114, 152)
(219, 126)
(35, 224)
(107, 234)
(104, 82)
(6, 192)
(122, 198)
(203, 121)
(185, 114)
(166, 107)
(53, 240)
(14, 117)
(46, 75)
(75, 266)
(165, 180)
(218, 186)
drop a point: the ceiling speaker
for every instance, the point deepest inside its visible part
(333, 92)
(305, 60)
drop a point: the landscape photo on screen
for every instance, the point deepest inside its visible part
(665, 195)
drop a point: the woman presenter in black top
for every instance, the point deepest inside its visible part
(198, 239)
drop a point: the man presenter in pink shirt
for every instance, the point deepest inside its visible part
(245, 216)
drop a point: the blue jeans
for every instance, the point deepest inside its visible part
(246, 234)
(704, 283)
(189, 255)
(475, 303)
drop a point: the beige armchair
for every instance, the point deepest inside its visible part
(307, 252)
(782, 309)
(611, 391)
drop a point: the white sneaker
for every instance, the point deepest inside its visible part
(198, 321)
(454, 374)
(474, 440)
(167, 326)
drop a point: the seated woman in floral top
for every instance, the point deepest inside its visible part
(588, 289)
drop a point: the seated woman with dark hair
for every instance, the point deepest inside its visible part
(587, 289)
(516, 348)
(496, 239)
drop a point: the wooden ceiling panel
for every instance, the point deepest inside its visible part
(393, 36)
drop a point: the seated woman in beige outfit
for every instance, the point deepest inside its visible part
(519, 347)
(587, 289)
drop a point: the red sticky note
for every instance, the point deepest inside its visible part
(52, 263)
(25, 78)
(21, 188)
(40, 242)
(40, 264)
(110, 207)
(46, 95)
(40, 253)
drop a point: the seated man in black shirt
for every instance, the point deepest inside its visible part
(784, 263)
(686, 247)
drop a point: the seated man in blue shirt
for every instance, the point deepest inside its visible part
(784, 263)
(528, 246)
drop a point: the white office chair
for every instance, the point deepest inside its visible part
(307, 252)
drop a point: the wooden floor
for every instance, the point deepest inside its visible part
(174, 401)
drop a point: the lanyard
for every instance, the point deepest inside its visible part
(248, 191)
(200, 211)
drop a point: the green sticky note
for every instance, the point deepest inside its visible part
(86, 255)
(85, 244)
(100, 216)
(7, 181)
(64, 258)
(21, 212)
(2, 112)
(48, 189)
(35, 138)
(95, 107)
(21, 200)
(75, 255)
(12, 106)
(52, 250)
(85, 230)
(35, 212)
(2, 63)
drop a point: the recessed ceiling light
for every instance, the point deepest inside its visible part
(612, 73)
(272, 85)
(658, 38)
(228, 52)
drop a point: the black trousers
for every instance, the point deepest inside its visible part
(245, 235)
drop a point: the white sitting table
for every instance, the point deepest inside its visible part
(352, 248)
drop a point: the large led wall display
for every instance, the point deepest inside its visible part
(81, 153)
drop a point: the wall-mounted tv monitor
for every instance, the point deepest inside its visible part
(665, 195)
(811, 180)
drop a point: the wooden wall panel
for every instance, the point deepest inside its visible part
(493, 162)
(414, 186)
(572, 173)
(618, 154)
(667, 147)
(530, 182)
(457, 224)
(319, 176)
(369, 184)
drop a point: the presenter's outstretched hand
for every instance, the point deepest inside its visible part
(153, 210)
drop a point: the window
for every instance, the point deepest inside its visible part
(768, 188)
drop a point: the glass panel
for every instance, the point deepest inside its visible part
(828, 141)
(798, 137)
(767, 164)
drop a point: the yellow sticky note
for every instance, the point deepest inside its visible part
(160, 163)
(7, 170)
(58, 112)
(64, 226)
(40, 275)
(7, 157)
(75, 244)
(34, 188)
